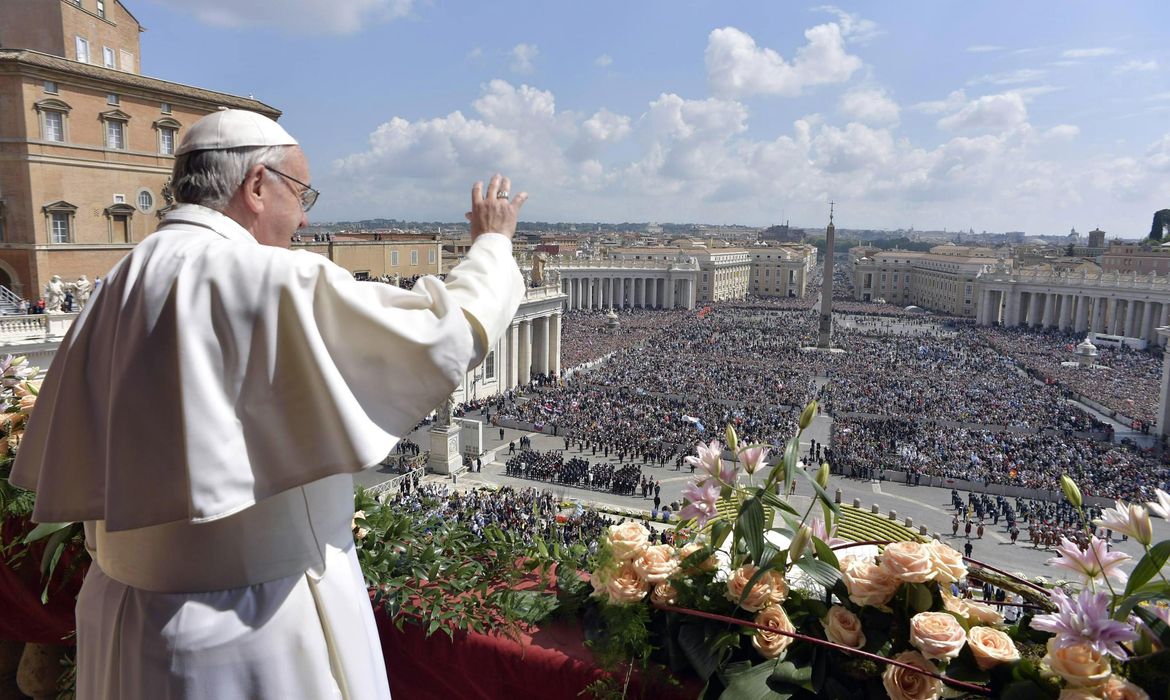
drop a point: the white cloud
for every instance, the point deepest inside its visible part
(983, 48)
(522, 57)
(475, 54)
(1141, 66)
(995, 113)
(603, 61)
(1089, 53)
(1015, 77)
(853, 26)
(952, 102)
(301, 16)
(737, 67)
(856, 147)
(1063, 132)
(696, 160)
(869, 105)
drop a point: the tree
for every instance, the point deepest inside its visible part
(1161, 222)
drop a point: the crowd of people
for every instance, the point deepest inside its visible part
(527, 513)
(1126, 381)
(931, 396)
(551, 466)
(985, 457)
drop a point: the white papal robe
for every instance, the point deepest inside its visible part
(204, 417)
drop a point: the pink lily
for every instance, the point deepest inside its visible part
(701, 501)
(1095, 564)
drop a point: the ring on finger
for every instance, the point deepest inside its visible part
(502, 194)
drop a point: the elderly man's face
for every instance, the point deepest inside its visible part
(282, 215)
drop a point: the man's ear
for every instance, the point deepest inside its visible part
(252, 189)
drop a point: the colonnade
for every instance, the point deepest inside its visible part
(623, 292)
(532, 347)
(1078, 311)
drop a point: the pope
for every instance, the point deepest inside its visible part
(207, 410)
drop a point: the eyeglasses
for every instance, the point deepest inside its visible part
(308, 196)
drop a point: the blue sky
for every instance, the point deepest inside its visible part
(991, 115)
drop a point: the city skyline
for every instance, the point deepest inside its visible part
(994, 117)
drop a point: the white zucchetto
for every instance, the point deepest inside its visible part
(233, 128)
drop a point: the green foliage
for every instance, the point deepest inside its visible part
(437, 573)
(1149, 566)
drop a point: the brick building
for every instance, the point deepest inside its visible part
(86, 141)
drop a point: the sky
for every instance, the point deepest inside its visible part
(996, 116)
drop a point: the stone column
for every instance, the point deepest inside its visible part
(984, 303)
(1112, 316)
(1066, 309)
(1011, 316)
(554, 344)
(652, 298)
(1081, 324)
(668, 292)
(641, 284)
(1035, 310)
(1148, 321)
(1164, 395)
(1130, 318)
(1049, 319)
(525, 354)
(540, 345)
(512, 342)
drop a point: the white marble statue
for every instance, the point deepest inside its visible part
(82, 288)
(54, 295)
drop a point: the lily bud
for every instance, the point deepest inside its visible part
(800, 542)
(1071, 491)
(823, 475)
(807, 414)
(732, 439)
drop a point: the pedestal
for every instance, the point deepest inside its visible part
(445, 457)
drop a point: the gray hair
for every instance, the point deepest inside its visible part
(210, 178)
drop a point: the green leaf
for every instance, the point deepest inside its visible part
(746, 682)
(1149, 566)
(692, 638)
(1157, 626)
(826, 499)
(825, 554)
(719, 532)
(1150, 591)
(918, 597)
(822, 572)
(775, 501)
(750, 527)
(43, 530)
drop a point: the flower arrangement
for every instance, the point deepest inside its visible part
(766, 602)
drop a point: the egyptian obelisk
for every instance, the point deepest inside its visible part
(824, 338)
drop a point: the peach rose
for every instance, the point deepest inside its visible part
(910, 562)
(952, 604)
(599, 580)
(1080, 665)
(991, 647)
(1079, 694)
(982, 613)
(843, 627)
(868, 583)
(656, 563)
(777, 587)
(707, 564)
(626, 586)
(948, 563)
(761, 594)
(664, 594)
(904, 684)
(772, 644)
(627, 540)
(938, 635)
(1121, 689)
(359, 532)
